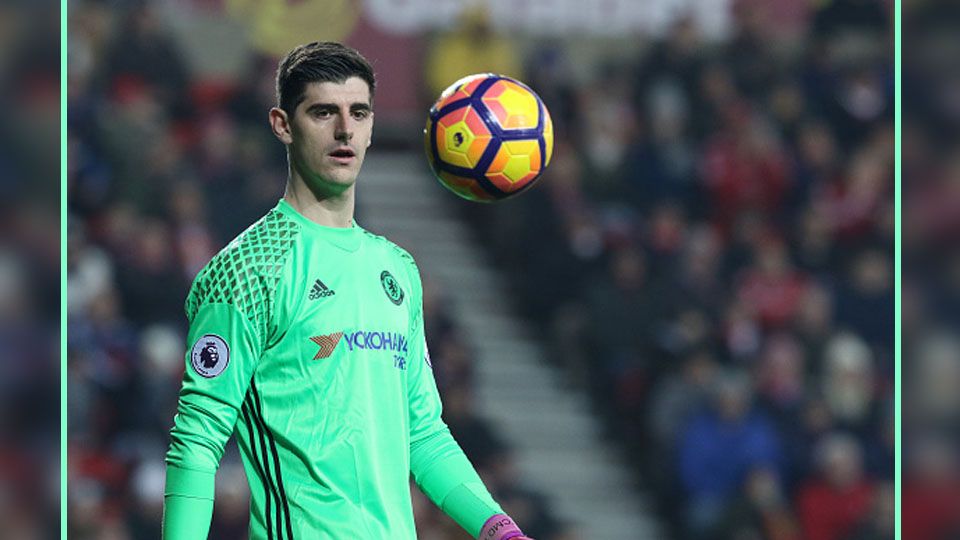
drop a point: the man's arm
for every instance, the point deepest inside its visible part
(222, 354)
(439, 466)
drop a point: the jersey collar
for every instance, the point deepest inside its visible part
(347, 238)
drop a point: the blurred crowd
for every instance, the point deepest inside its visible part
(711, 256)
(29, 270)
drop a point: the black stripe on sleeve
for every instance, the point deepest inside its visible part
(258, 416)
(260, 427)
(258, 460)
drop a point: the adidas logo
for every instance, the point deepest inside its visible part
(320, 290)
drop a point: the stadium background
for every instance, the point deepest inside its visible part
(709, 257)
(931, 288)
(29, 269)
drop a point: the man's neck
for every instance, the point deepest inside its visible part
(334, 211)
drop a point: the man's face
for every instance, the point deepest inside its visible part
(329, 133)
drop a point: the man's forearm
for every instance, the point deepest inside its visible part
(187, 504)
(448, 478)
(186, 518)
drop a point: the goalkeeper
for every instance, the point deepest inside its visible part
(306, 342)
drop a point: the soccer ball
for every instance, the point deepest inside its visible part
(488, 137)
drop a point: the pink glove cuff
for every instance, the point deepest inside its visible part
(499, 527)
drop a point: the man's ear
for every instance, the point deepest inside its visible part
(280, 124)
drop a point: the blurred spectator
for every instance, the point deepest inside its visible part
(848, 383)
(761, 511)
(719, 448)
(469, 48)
(147, 272)
(814, 322)
(607, 133)
(474, 434)
(621, 310)
(866, 298)
(833, 503)
(934, 376)
(771, 289)
(780, 374)
(880, 522)
(613, 306)
(931, 491)
(680, 396)
(744, 168)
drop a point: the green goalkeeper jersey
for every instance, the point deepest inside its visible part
(307, 344)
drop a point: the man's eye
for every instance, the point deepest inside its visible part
(322, 114)
(360, 115)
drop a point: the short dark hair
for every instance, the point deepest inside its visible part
(320, 61)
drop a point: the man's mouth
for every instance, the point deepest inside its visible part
(343, 153)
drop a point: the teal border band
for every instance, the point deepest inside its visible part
(63, 269)
(897, 268)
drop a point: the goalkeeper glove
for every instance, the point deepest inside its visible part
(501, 527)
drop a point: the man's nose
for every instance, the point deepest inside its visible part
(344, 131)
